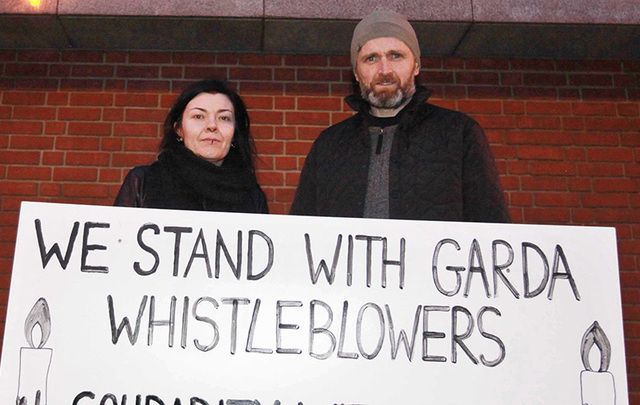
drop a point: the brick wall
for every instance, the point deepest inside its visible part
(565, 133)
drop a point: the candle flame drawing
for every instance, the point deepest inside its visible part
(38, 316)
(597, 386)
(35, 360)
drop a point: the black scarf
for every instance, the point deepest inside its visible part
(228, 183)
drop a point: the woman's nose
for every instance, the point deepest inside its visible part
(211, 124)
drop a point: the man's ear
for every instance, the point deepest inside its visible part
(416, 70)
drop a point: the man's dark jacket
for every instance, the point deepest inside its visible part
(440, 168)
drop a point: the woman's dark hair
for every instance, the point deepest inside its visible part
(242, 138)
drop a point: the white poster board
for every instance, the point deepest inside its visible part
(157, 307)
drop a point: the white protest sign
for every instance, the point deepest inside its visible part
(124, 306)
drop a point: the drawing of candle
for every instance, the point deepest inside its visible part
(597, 387)
(35, 359)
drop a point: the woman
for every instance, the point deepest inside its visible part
(206, 159)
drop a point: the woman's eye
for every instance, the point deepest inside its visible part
(198, 116)
(225, 118)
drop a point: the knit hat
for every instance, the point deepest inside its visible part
(383, 23)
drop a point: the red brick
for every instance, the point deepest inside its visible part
(34, 113)
(590, 80)
(547, 215)
(285, 103)
(285, 132)
(198, 72)
(262, 131)
(610, 155)
(52, 158)
(149, 57)
(132, 159)
(270, 147)
(597, 139)
(468, 77)
(38, 142)
(572, 123)
(319, 103)
(318, 75)
(603, 94)
(488, 92)
(544, 183)
(33, 83)
(75, 174)
(112, 114)
(511, 79)
(548, 107)
(594, 108)
(297, 148)
(259, 59)
(17, 188)
(539, 93)
(29, 173)
(267, 117)
(60, 71)
(608, 200)
(56, 98)
(557, 200)
(307, 118)
(87, 159)
(25, 69)
(628, 109)
(540, 153)
(140, 144)
(92, 70)
(89, 128)
(250, 73)
(82, 56)
(345, 61)
(286, 163)
(136, 129)
(313, 89)
(590, 65)
(480, 106)
(258, 102)
(85, 190)
(91, 99)
(306, 60)
(23, 98)
(138, 72)
(532, 64)
(539, 138)
(270, 178)
(79, 114)
(601, 169)
(513, 107)
(538, 122)
(553, 168)
(111, 144)
(283, 74)
(17, 127)
(171, 72)
(261, 88)
(138, 100)
(545, 79)
(148, 85)
(77, 143)
(194, 58)
(109, 175)
(145, 115)
(615, 185)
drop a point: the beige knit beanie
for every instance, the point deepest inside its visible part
(384, 23)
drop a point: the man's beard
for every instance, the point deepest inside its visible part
(387, 99)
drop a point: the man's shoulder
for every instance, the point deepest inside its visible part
(339, 130)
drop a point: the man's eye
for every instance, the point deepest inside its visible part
(371, 58)
(395, 56)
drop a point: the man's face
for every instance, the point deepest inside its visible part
(385, 70)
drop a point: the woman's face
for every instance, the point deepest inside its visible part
(207, 126)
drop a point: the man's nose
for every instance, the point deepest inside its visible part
(385, 66)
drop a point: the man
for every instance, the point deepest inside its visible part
(398, 157)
